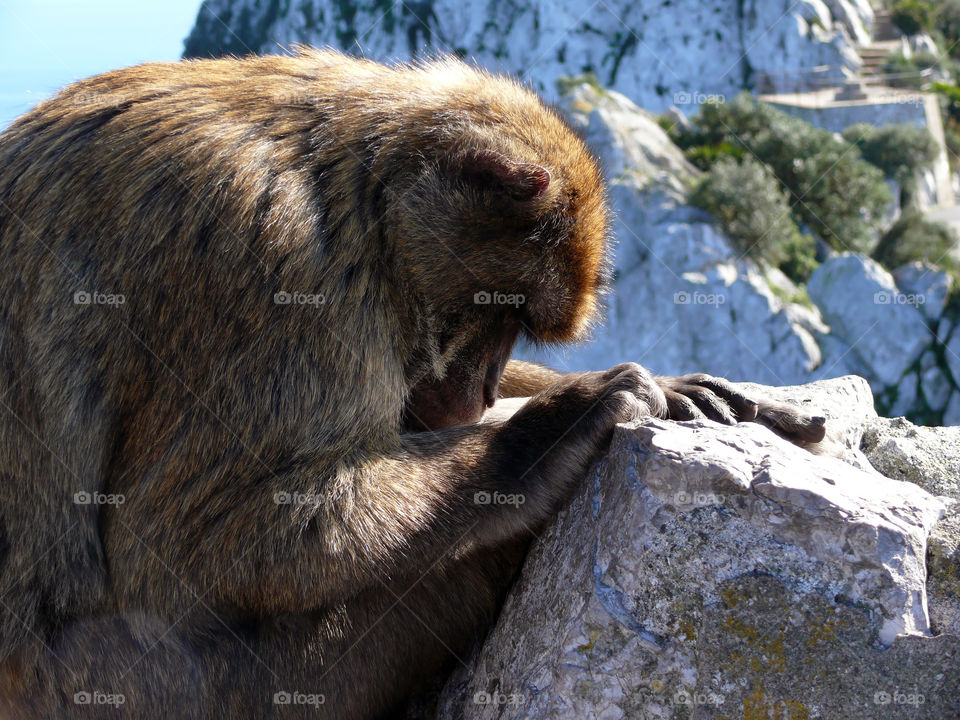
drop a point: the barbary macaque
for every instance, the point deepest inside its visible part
(242, 365)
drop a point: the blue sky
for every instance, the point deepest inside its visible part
(44, 44)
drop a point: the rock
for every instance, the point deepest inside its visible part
(683, 301)
(923, 44)
(846, 403)
(930, 458)
(944, 328)
(711, 571)
(697, 51)
(951, 416)
(860, 302)
(926, 285)
(679, 120)
(936, 388)
(952, 355)
(905, 397)
(856, 17)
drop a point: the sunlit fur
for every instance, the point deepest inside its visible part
(197, 191)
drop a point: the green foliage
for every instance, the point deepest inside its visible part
(705, 156)
(948, 23)
(899, 64)
(951, 93)
(829, 187)
(913, 16)
(566, 83)
(952, 138)
(799, 261)
(748, 203)
(899, 151)
(666, 124)
(912, 238)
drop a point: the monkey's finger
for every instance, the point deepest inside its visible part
(709, 403)
(792, 423)
(628, 369)
(743, 407)
(680, 407)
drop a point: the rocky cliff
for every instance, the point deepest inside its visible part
(656, 53)
(683, 299)
(706, 571)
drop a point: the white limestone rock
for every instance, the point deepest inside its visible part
(682, 301)
(706, 570)
(861, 303)
(681, 54)
(929, 285)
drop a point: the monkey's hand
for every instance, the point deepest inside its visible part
(563, 428)
(690, 397)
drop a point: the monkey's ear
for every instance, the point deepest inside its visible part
(519, 180)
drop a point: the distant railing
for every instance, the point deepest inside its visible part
(822, 77)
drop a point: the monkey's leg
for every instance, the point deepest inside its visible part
(359, 659)
(366, 657)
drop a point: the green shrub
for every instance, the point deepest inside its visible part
(799, 260)
(912, 238)
(951, 93)
(705, 156)
(913, 16)
(948, 23)
(899, 64)
(749, 205)
(951, 134)
(900, 152)
(830, 188)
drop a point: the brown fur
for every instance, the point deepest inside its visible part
(199, 191)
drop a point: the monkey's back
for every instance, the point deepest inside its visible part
(150, 218)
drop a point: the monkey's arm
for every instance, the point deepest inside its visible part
(689, 397)
(524, 379)
(438, 495)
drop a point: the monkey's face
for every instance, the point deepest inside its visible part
(468, 382)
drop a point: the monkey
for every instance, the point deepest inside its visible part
(246, 349)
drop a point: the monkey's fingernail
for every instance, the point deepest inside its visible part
(818, 420)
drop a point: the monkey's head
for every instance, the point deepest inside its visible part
(504, 231)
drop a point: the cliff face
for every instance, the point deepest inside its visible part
(706, 571)
(683, 300)
(656, 53)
